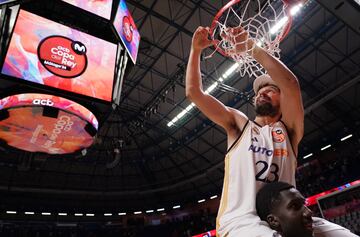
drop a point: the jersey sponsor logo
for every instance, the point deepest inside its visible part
(278, 135)
(254, 139)
(261, 150)
(281, 153)
(278, 152)
(255, 130)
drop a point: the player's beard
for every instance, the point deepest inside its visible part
(266, 109)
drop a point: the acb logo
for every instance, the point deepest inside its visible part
(46, 102)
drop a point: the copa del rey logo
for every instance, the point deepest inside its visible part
(63, 56)
(128, 29)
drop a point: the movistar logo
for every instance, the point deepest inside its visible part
(78, 47)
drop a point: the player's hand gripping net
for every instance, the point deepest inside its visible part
(240, 26)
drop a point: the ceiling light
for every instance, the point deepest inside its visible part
(308, 155)
(90, 214)
(78, 214)
(137, 212)
(62, 214)
(176, 207)
(122, 213)
(45, 213)
(189, 107)
(211, 88)
(202, 200)
(11, 212)
(213, 197)
(161, 209)
(295, 9)
(29, 213)
(348, 136)
(325, 147)
(149, 211)
(279, 25)
(230, 71)
(107, 214)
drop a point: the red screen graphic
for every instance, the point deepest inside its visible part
(48, 53)
(211, 233)
(28, 127)
(62, 57)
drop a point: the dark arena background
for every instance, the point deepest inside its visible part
(97, 137)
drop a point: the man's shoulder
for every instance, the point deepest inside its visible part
(240, 120)
(238, 114)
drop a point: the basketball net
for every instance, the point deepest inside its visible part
(267, 23)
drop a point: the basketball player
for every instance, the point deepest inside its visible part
(259, 151)
(283, 208)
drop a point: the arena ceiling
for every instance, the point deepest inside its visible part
(140, 163)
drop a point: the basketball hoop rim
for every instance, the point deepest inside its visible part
(232, 2)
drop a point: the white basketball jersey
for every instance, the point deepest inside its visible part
(259, 155)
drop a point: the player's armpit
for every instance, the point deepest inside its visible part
(228, 118)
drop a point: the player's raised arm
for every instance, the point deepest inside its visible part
(292, 109)
(210, 106)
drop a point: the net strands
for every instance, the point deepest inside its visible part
(259, 20)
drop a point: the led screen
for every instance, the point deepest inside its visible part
(99, 7)
(27, 127)
(6, 1)
(211, 233)
(51, 54)
(125, 27)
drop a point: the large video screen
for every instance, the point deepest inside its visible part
(51, 54)
(99, 7)
(28, 127)
(6, 1)
(125, 27)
